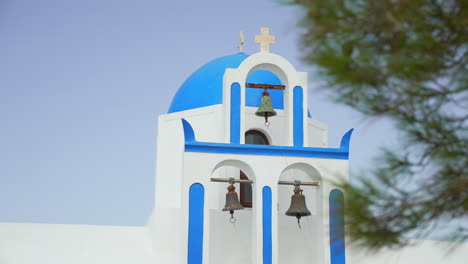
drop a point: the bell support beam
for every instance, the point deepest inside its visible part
(300, 183)
(265, 86)
(279, 182)
(229, 180)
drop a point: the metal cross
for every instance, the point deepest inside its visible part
(265, 39)
(241, 41)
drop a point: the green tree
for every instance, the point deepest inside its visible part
(405, 60)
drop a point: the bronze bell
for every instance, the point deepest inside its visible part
(266, 107)
(232, 201)
(298, 206)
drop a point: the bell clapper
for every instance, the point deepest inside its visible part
(232, 219)
(298, 216)
(267, 124)
(298, 190)
(231, 188)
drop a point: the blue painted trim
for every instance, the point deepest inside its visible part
(249, 149)
(188, 131)
(346, 139)
(195, 224)
(337, 240)
(269, 150)
(267, 228)
(298, 117)
(235, 112)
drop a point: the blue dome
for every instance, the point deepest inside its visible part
(205, 86)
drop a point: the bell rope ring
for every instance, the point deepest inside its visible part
(232, 201)
(266, 107)
(298, 206)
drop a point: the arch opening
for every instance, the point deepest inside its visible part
(300, 245)
(224, 235)
(276, 69)
(267, 73)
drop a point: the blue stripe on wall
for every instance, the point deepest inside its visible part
(235, 113)
(248, 149)
(195, 225)
(267, 240)
(191, 145)
(337, 240)
(298, 117)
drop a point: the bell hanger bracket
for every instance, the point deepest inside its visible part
(265, 86)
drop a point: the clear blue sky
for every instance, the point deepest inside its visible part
(83, 82)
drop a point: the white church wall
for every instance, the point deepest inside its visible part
(288, 76)
(169, 232)
(230, 242)
(318, 134)
(169, 218)
(300, 244)
(275, 132)
(170, 147)
(317, 131)
(23, 243)
(267, 171)
(206, 122)
(224, 235)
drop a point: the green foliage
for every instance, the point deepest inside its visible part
(406, 60)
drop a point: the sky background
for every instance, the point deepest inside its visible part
(82, 84)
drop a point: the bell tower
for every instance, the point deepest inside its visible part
(253, 133)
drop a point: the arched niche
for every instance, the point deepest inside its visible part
(235, 163)
(229, 242)
(301, 172)
(270, 62)
(287, 76)
(283, 70)
(300, 245)
(226, 169)
(276, 132)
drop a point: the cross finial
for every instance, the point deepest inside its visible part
(265, 39)
(241, 41)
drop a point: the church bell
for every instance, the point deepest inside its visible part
(266, 107)
(298, 206)
(232, 201)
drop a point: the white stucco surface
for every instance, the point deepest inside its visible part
(22, 243)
